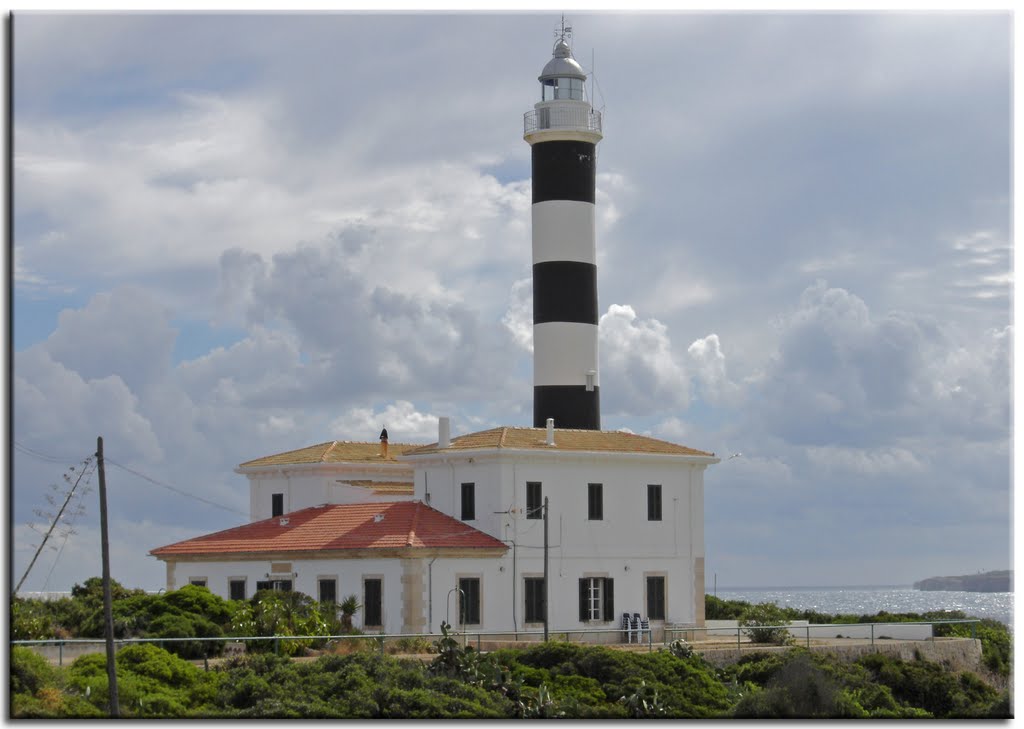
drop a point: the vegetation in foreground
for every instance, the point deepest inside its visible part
(547, 680)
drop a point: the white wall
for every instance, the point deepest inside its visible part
(578, 546)
(306, 487)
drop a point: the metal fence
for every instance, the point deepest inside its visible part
(408, 641)
(580, 117)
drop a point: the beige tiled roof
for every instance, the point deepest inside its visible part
(334, 451)
(611, 441)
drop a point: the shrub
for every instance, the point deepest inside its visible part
(717, 609)
(29, 671)
(764, 623)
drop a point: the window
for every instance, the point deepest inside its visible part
(327, 589)
(653, 502)
(373, 608)
(275, 585)
(276, 504)
(597, 601)
(236, 589)
(468, 502)
(595, 504)
(197, 581)
(469, 601)
(656, 598)
(534, 590)
(534, 508)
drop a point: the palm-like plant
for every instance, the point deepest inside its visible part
(349, 607)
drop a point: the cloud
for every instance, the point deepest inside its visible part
(404, 423)
(866, 462)
(844, 375)
(124, 332)
(55, 404)
(639, 372)
(708, 364)
(518, 318)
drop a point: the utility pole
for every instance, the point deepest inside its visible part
(546, 591)
(108, 607)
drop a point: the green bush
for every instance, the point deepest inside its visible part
(797, 689)
(764, 623)
(29, 671)
(717, 609)
(929, 686)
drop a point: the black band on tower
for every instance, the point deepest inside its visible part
(565, 291)
(572, 406)
(564, 171)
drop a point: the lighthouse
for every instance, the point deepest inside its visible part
(563, 131)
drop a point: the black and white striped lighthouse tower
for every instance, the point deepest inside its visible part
(563, 131)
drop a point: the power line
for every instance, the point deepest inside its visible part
(45, 457)
(169, 487)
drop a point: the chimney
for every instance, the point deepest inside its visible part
(551, 432)
(384, 443)
(444, 432)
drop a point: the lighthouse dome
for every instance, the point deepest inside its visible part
(562, 64)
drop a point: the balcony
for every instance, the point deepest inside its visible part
(581, 118)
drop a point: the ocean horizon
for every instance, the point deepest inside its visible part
(871, 599)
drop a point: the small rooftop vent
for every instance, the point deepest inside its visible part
(378, 518)
(283, 521)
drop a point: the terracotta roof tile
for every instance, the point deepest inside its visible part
(612, 441)
(340, 527)
(332, 452)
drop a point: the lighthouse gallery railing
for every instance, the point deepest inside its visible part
(561, 117)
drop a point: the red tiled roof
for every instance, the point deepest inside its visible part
(339, 527)
(566, 439)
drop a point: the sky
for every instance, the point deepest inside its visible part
(235, 235)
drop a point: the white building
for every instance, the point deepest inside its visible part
(406, 532)
(454, 530)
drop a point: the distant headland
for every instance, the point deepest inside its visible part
(995, 581)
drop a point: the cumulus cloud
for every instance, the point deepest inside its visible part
(640, 373)
(842, 374)
(55, 404)
(708, 363)
(403, 421)
(124, 333)
(518, 318)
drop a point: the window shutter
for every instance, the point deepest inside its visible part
(584, 613)
(609, 599)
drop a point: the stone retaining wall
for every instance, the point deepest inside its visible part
(959, 654)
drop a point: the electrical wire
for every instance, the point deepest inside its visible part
(169, 487)
(45, 457)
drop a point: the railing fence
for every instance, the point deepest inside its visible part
(467, 637)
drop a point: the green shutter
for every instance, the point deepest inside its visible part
(584, 614)
(609, 599)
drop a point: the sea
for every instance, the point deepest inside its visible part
(870, 599)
